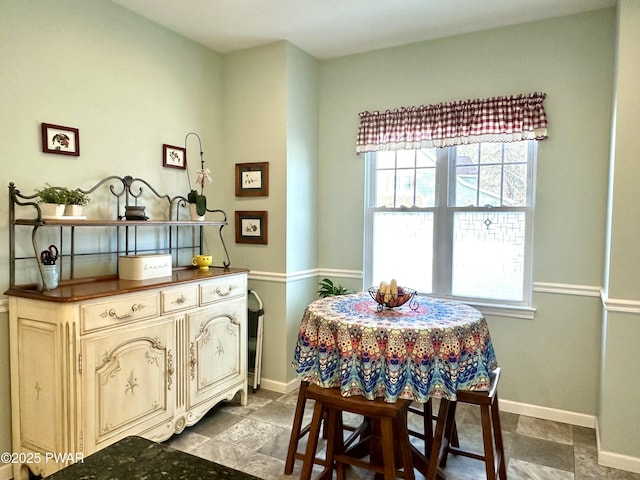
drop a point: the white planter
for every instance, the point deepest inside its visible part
(73, 210)
(51, 209)
(50, 277)
(193, 214)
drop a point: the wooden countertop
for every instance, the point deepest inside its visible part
(88, 289)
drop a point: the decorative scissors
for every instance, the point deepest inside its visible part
(49, 256)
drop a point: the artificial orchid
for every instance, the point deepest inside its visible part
(202, 175)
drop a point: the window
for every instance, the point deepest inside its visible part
(453, 222)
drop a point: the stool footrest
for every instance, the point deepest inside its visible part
(316, 460)
(415, 433)
(464, 453)
(346, 459)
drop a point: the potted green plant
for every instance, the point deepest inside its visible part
(75, 200)
(197, 205)
(52, 201)
(330, 289)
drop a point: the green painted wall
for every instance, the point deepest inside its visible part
(570, 59)
(128, 84)
(621, 330)
(302, 160)
(271, 114)
(625, 225)
(255, 130)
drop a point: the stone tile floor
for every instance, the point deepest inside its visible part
(255, 438)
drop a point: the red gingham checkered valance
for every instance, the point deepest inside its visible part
(497, 119)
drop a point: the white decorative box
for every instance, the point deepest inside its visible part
(142, 267)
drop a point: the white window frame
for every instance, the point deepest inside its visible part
(443, 230)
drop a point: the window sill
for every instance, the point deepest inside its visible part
(501, 310)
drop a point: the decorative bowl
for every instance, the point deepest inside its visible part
(403, 296)
(134, 212)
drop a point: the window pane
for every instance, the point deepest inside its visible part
(490, 153)
(467, 154)
(386, 159)
(490, 186)
(426, 187)
(515, 185)
(404, 187)
(516, 152)
(406, 158)
(426, 158)
(466, 188)
(488, 255)
(403, 249)
(385, 188)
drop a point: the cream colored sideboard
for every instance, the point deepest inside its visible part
(94, 362)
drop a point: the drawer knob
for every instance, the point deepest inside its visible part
(134, 308)
(181, 299)
(220, 293)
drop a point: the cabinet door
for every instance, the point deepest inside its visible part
(217, 359)
(128, 376)
(39, 386)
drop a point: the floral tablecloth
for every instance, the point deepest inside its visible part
(432, 351)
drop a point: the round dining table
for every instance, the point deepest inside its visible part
(426, 348)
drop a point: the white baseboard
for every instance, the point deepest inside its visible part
(6, 472)
(273, 386)
(280, 387)
(292, 385)
(615, 460)
(621, 462)
(546, 413)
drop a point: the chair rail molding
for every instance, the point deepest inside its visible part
(623, 306)
(568, 289)
(303, 274)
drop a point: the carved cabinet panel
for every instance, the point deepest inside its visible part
(216, 349)
(41, 390)
(127, 381)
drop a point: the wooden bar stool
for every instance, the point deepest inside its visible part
(391, 418)
(426, 412)
(491, 430)
(298, 432)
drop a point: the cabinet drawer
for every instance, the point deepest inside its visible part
(222, 289)
(116, 311)
(178, 299)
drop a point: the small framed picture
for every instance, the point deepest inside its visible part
(60, 140)
(252, 179)
(251, 227)
(174, 157)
